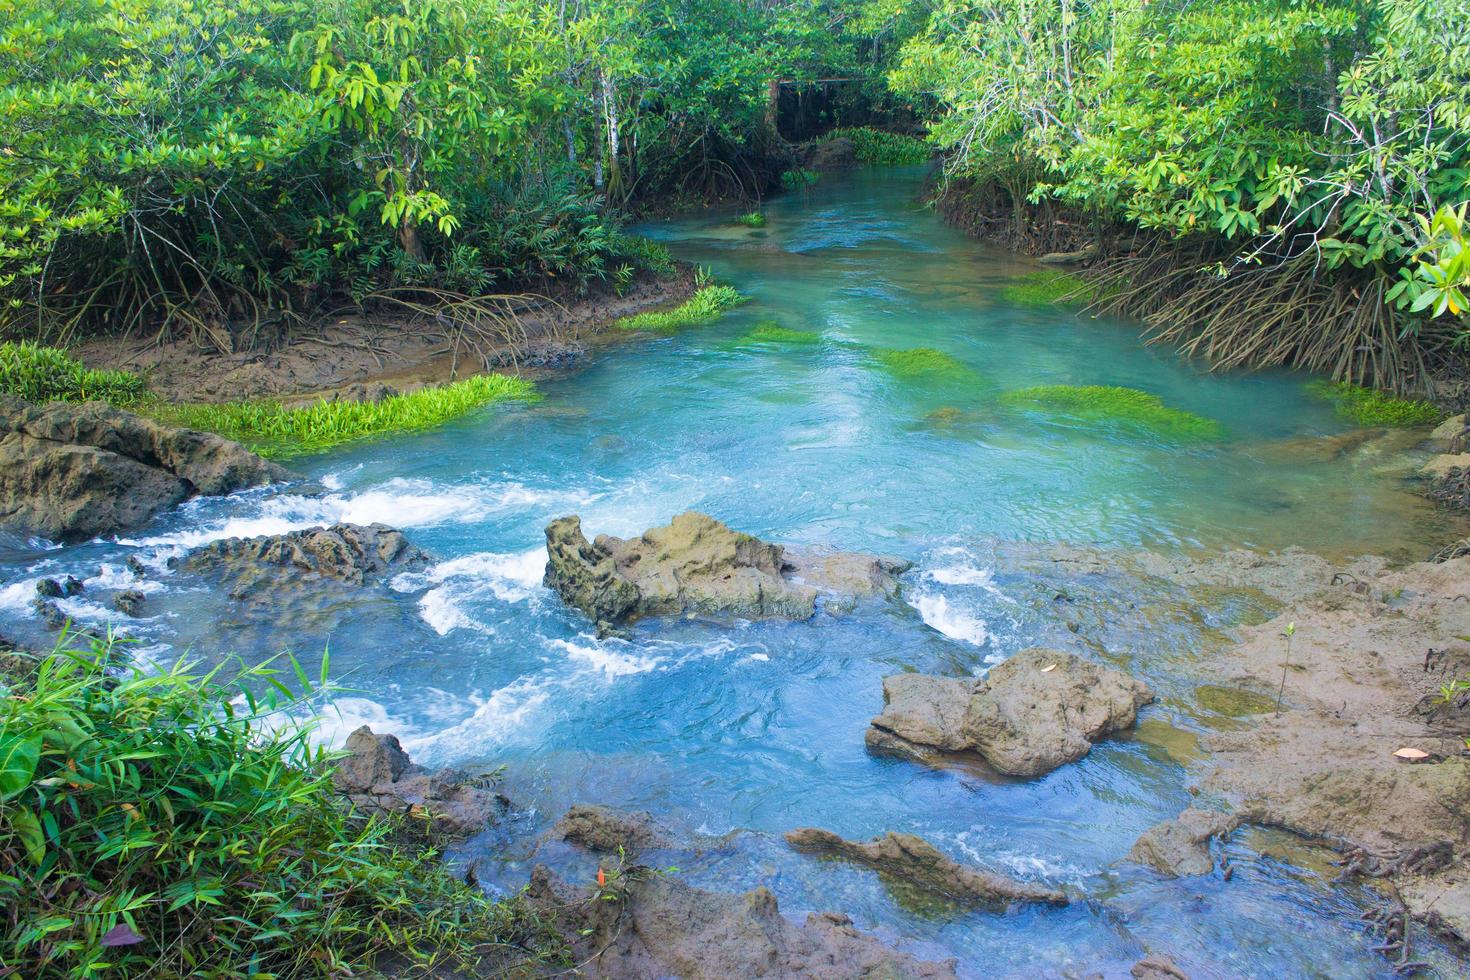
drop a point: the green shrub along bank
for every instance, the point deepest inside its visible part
(1366, 406)
(43, 374)
(877, 146)
(276, 431)
(1109, 405)
(169, 823)
(704, 306)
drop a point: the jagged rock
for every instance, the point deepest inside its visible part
(50, 614)
(1029, 715)
(1181, 847)
(48, 588)
(75, 471)
(601, 828)
(135, 565)
(658, 926)
(1157, 968)
(697, 565)
(350, 553)
(129, 602)
(1444, 465)
(378, 775)
(917, 862)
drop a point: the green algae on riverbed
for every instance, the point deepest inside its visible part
(921, 362)
(1367, 406)
(1047, 289)
(1111, 405)
(771, 332)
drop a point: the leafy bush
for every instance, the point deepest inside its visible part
(919, 362)
(705, 305)
(644, 253)
(752, 220)
(273, 430)
(42, 374)
(1113, 405)
(1368, 406)
(882, 147)
(169, 823)
(1045, 289)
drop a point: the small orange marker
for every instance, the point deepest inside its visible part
(601, 878)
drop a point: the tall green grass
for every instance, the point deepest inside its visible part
(276, 431)
(170, 823)
(705, 305)
(1368, 406)
(1110, 405)
(882, 147)
(43, 374)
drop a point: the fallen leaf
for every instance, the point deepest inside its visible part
(1048, 669)
(1410, 753)
(122, 935)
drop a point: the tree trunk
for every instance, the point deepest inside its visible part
(773, 106)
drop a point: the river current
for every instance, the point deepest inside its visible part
(731, 734)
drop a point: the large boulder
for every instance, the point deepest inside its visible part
(917, 863)
(698, 566)
(75, 471)
(1036, 711)
(655, 925)
(378, 776)
(352, 554)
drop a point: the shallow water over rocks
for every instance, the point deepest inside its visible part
(1020, 524)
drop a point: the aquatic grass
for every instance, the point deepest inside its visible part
(752, 220)
(1368, 406)
(42, 374)
(705, 305)
(273, 430)
(799, 178)
(920, 362)
(771, 332)
(1046, 289)
(878, 146)
(168, 822)
(1112, 405)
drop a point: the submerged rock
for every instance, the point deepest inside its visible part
(1029, 715)
(1157, 968)
(655, 925)
(916, 862)
(697, 565)
(601, 828)
(75, 471)
(1181, 847)
(377, 775)
(129, 602)
(353, 554)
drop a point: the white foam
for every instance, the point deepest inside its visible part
(492, 721)
(441, 610)
(507, 577)
(119, 577)
(345, 715)
(606, 657)
(957, 624)
(17, 596)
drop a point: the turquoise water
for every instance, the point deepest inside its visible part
(734, 733)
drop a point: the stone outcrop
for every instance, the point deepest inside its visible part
(601, 828)
(1036, 711)
(655, 925)
(352, 554)
(75, 471)
(377, 775)
(914, 861)
(1181, 847)
(698, 566)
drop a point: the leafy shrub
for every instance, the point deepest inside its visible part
(273, 430)
(167, 823)
(705, 305)
(882, 147)
(1045, 289)
(42, 374)
(919, 362)
(752, 220)
(1113, 405)
(644, 253)
(1368, 406)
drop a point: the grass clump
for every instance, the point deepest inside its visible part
(882, 147)
(752, 220)
(705, 305)
(170, 823)
(1046, 289)
(771, 332)
(276, 431)
(1113, 405)
(1368, 406)
(920, 362)
(43, 374)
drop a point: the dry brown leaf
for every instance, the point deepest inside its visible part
(1411, 753)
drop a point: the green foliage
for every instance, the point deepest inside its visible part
(705, 305)
(752, 220)
(878, 146)
(276, 431)
(645, 253)
(164, 822)
(42, 374)
(799, 178)
(1109, 405)
(921, 362)
(1368, 406)
(1045, 289)
(771, 332)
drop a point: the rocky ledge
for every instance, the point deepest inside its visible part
(75, 471)
(377, 775)
(353, 554)
(1036, 711)
(698, 566)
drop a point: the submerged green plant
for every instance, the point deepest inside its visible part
(796, 179)
(1113, 405)
(771, 332)
(882, 147)
(752, 220)
(274, 430)
(705, 305)
(1046, 289)
(42, 374)
(169, 822)
(1368, 406)
(918, 362)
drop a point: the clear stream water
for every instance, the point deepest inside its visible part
(734, 733)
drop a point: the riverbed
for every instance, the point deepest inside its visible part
(733, 733)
